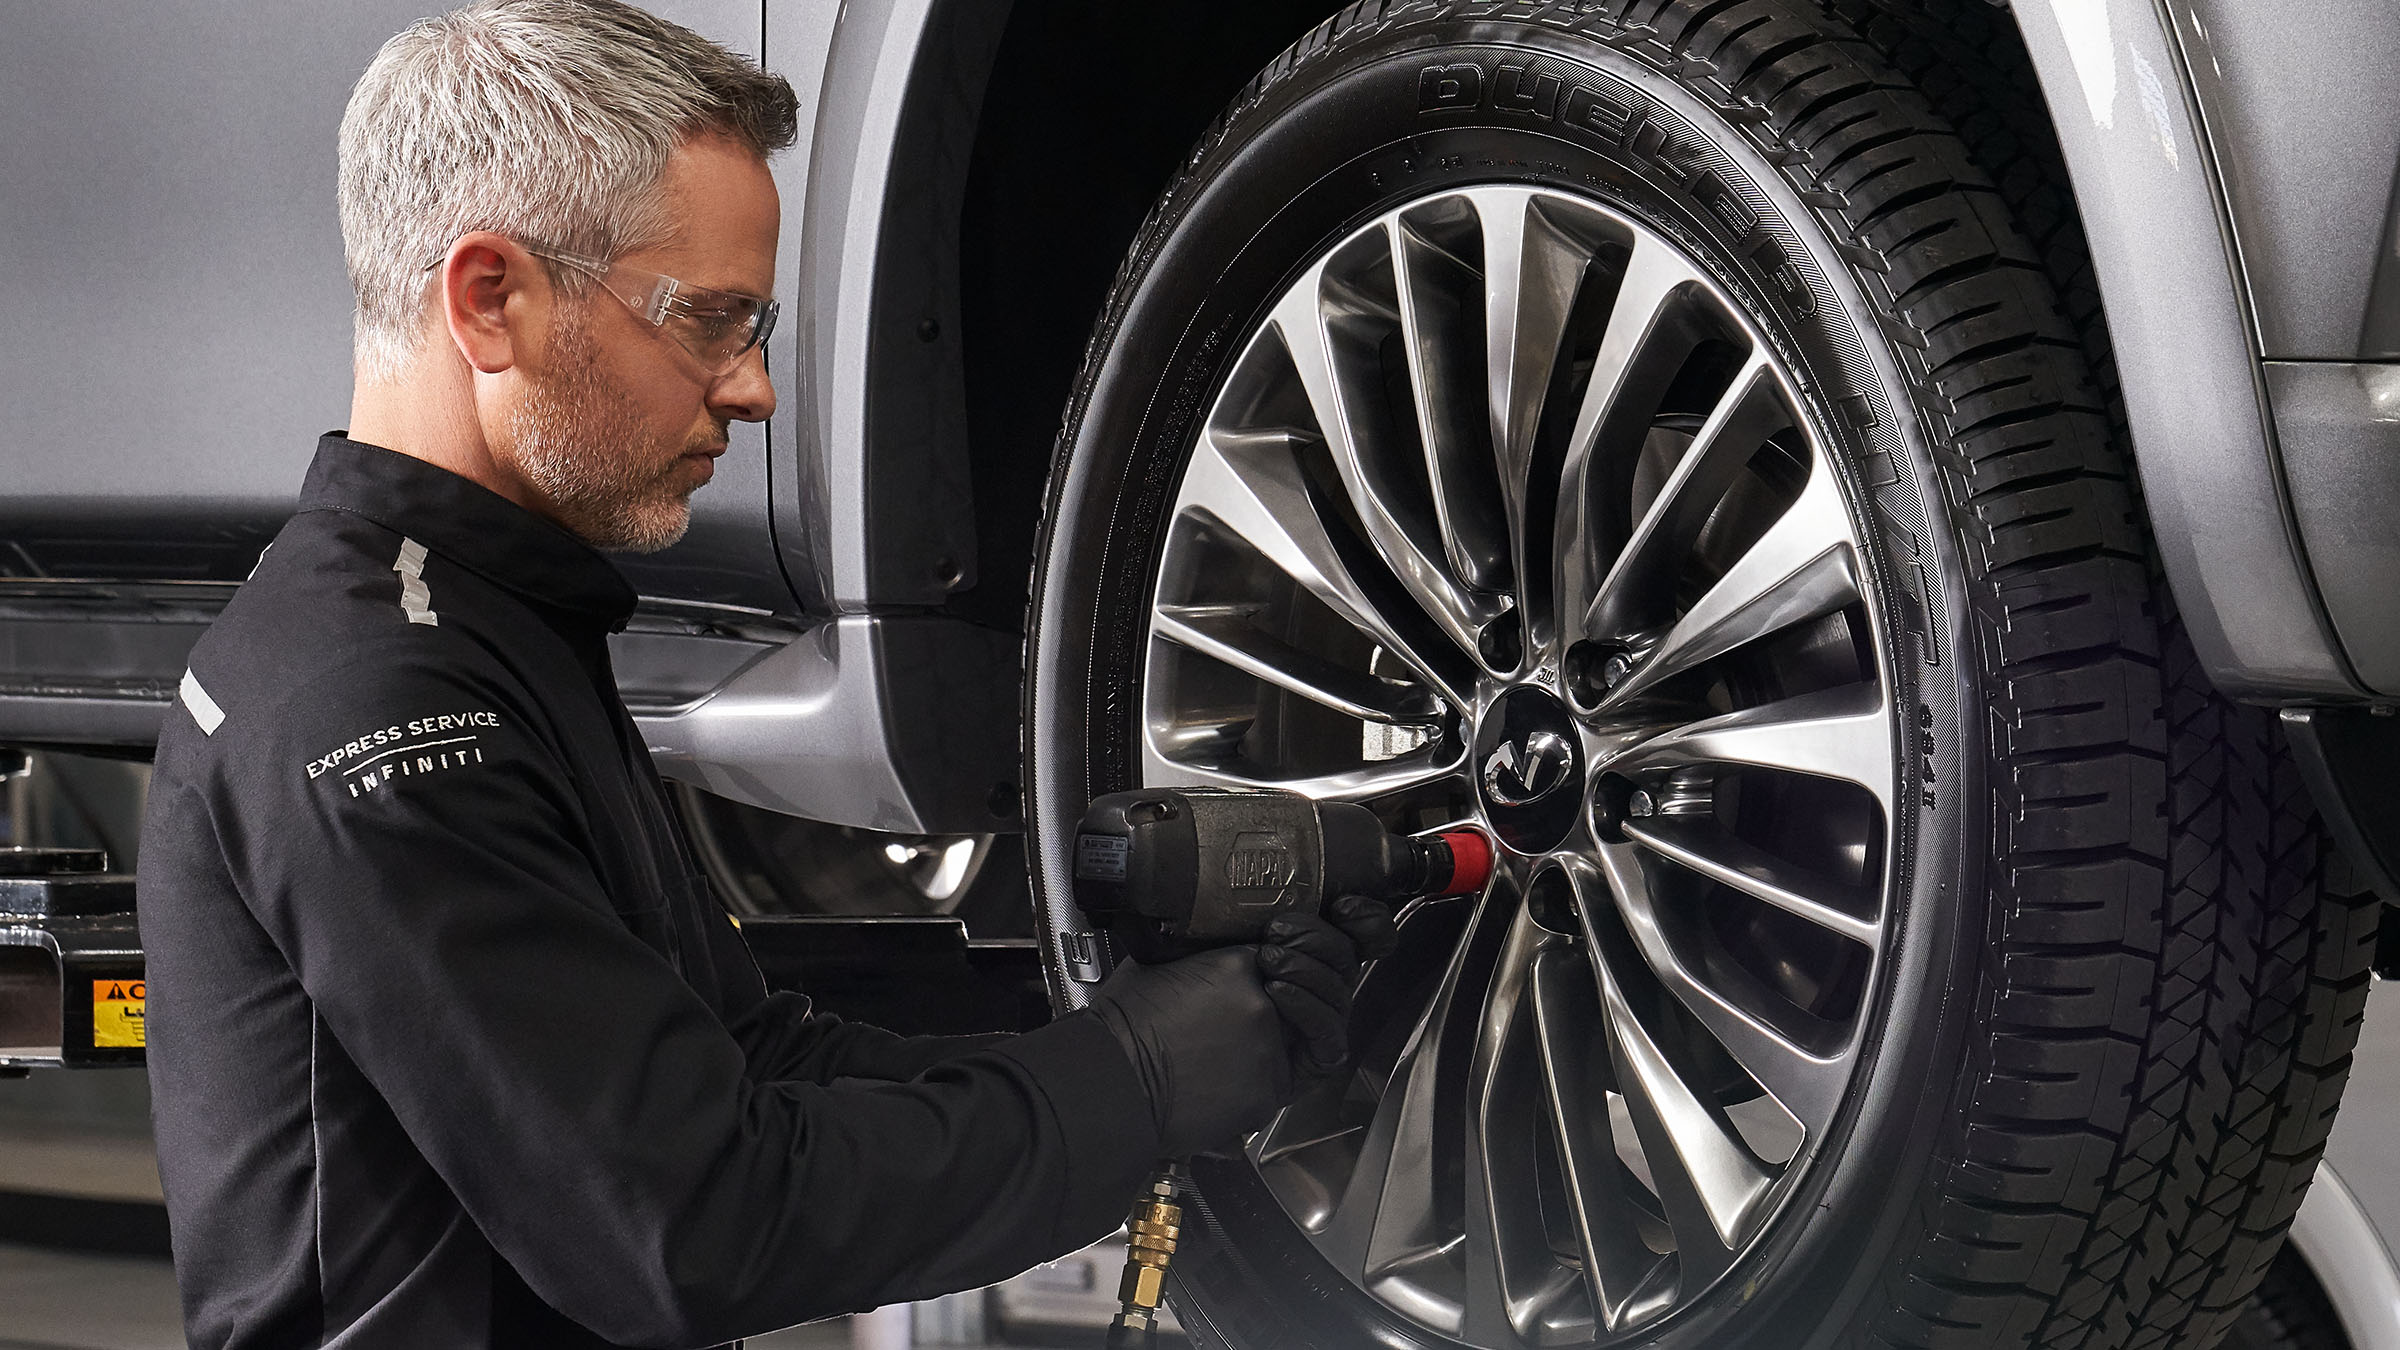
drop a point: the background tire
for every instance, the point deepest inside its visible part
(2115, 988)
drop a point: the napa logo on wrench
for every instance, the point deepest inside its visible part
(1525, 770)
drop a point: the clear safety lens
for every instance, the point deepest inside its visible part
(716, 327)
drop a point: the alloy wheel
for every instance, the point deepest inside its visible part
(1508, 514)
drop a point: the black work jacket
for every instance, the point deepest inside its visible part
(449, 1046)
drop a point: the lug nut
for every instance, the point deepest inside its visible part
(1550, 902)
(1612, 804)
(1639, 804)
(1591, 669)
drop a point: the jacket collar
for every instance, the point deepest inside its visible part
(468, 524)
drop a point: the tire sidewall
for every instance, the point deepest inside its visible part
(1354, 127)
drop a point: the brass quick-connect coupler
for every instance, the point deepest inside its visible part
(1150, 1233)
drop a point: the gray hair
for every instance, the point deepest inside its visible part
(545, 120)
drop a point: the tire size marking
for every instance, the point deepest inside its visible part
(1925, 747)
(1617, 118)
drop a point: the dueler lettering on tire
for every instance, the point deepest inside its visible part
(1638, 429)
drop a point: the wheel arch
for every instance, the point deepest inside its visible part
(937, 325)
(2148, 189)
(977, 170)
(2091, 121)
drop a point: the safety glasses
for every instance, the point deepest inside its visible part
(716, 327)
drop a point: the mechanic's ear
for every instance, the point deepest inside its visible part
(487, 292)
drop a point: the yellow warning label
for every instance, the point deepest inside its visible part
(117, 1014)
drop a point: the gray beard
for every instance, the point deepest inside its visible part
(569, 441)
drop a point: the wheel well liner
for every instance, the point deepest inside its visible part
(1089, 107)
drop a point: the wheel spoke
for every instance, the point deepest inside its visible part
(1436, 287)
(1252, 486)
(1365, 1231)
(1640, 584)
(1301, 1145)
(1618, 1269)
(1395, 991)
(1700, 844)
(1302, 320)
(1531, 272)
(1163, 767)
(1843, 733)
(1227, 635)
(1639, 351)
(1708, 1180)
(1387, 1012)
(1399, 1137)
(1514, 1281)
(1806, 1084)
(1654, 275)
(1386, 1230)
(1800, 569)
(1306, 1123)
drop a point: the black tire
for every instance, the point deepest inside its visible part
(2104, 1073)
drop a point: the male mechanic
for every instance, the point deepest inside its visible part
(448, 1045)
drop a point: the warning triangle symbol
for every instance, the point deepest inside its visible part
(116, 991)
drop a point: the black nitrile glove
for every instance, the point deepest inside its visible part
(1206, 1040)
(1311, 967)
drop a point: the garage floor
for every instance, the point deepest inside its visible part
(58, 1300)
(66, 1301)
(55, 1300)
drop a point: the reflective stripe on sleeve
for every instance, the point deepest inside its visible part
(196, 701)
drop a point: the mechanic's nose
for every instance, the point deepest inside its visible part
(744, 393)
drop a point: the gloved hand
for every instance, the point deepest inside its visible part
(1206, 1040)
(1311, 967)
(1223, 1038)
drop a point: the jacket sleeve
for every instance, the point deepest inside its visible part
(603, 1128)
(784, 1040)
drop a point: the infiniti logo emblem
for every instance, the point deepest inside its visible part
(1523, 771)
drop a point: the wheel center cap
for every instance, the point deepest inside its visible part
(1529, 768)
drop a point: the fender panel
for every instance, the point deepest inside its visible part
(2171, 283)
(2302, 108)
(873, 504)
(887, 723)
(2339, 424)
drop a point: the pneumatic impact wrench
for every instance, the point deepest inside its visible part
(1168, 872)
